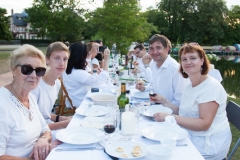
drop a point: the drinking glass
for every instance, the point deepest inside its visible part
(109, 126)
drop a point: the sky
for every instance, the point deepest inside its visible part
(19, 5)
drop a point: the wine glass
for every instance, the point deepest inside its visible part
(109, 126)
(151, 93)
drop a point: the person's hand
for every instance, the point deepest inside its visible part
(54, 144)
(135, 70)
(135, 63)
(140, 86)
(106, 54)
(158, 99)
(160, 116)
(146, 59)
(41, 149)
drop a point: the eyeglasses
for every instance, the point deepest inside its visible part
(27, 70)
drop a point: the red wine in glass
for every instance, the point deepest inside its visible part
(152, 94)
(117, 72)
(127, 91)
(109, 128)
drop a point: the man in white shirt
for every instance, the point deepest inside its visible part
(166, 79)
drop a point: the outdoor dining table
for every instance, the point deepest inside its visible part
(186, 152)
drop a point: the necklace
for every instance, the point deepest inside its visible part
(30, 117)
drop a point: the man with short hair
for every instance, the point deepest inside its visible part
(140, 52)
(166, 79)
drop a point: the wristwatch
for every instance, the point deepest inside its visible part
(57, 118)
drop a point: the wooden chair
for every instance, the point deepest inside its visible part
(233, 114)
(62, 110)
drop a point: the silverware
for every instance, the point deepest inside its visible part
(77, 149)
(182, 145)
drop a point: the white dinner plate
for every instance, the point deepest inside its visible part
(93, 111)
(158, 132)
(80, 135)
(141, 95)
(127, 149)
(151, 110)
(95, 122)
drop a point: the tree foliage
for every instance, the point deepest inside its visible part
(5, 33)
(233, 29)
(190, 20)
(56, 19)
(120, 22)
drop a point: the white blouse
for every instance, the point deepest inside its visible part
(20, 127)
(209, 90)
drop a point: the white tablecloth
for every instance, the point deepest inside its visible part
(188, 152)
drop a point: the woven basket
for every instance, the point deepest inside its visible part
(104, 100)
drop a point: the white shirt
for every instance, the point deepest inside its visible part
(18, 133)
(77, 84)
(94, 61)
(216, 140)
(167, 80)
(215, 74)
(46, 96)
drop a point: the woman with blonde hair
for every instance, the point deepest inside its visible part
(24, 132)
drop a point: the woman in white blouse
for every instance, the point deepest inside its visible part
(202, 110)
(75, 78)
(24, 132)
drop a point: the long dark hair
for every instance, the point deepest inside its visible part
(77, 59)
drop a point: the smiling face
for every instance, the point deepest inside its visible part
(27, 82)
(157, 51)
(58, 62)
(191, 63)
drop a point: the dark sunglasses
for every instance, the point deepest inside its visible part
(27, 70)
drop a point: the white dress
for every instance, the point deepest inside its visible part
(20, 127)
(213, 143)
(77, 84)
(46, 96)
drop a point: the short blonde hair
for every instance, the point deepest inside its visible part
(26, 50)
(56, 46)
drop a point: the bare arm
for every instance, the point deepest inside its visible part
(63, 122)
(207, 112)
(106, 57)
(7, 157)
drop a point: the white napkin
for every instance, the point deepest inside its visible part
(170, 121)
(108, 86)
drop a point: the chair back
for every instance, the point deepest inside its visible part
(233, 114)
(63, 96)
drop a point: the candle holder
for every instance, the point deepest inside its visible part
(128, 125)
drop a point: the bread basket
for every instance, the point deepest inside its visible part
(104, 100)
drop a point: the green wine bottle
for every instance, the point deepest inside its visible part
(123, 99)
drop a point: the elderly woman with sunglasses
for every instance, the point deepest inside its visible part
(202, 110)
(24, 132)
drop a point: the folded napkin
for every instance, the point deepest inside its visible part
(170, 121)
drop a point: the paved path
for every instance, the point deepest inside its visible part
(5, 78)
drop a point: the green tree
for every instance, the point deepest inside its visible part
(120, 22)
(5, 33)
(190, 20)
(233, 30)
(57, 19)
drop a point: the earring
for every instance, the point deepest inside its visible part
(201, 69)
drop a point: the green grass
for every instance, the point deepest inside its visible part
(235, 134)
(4, 55)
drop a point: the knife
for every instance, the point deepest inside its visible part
(77, 149)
